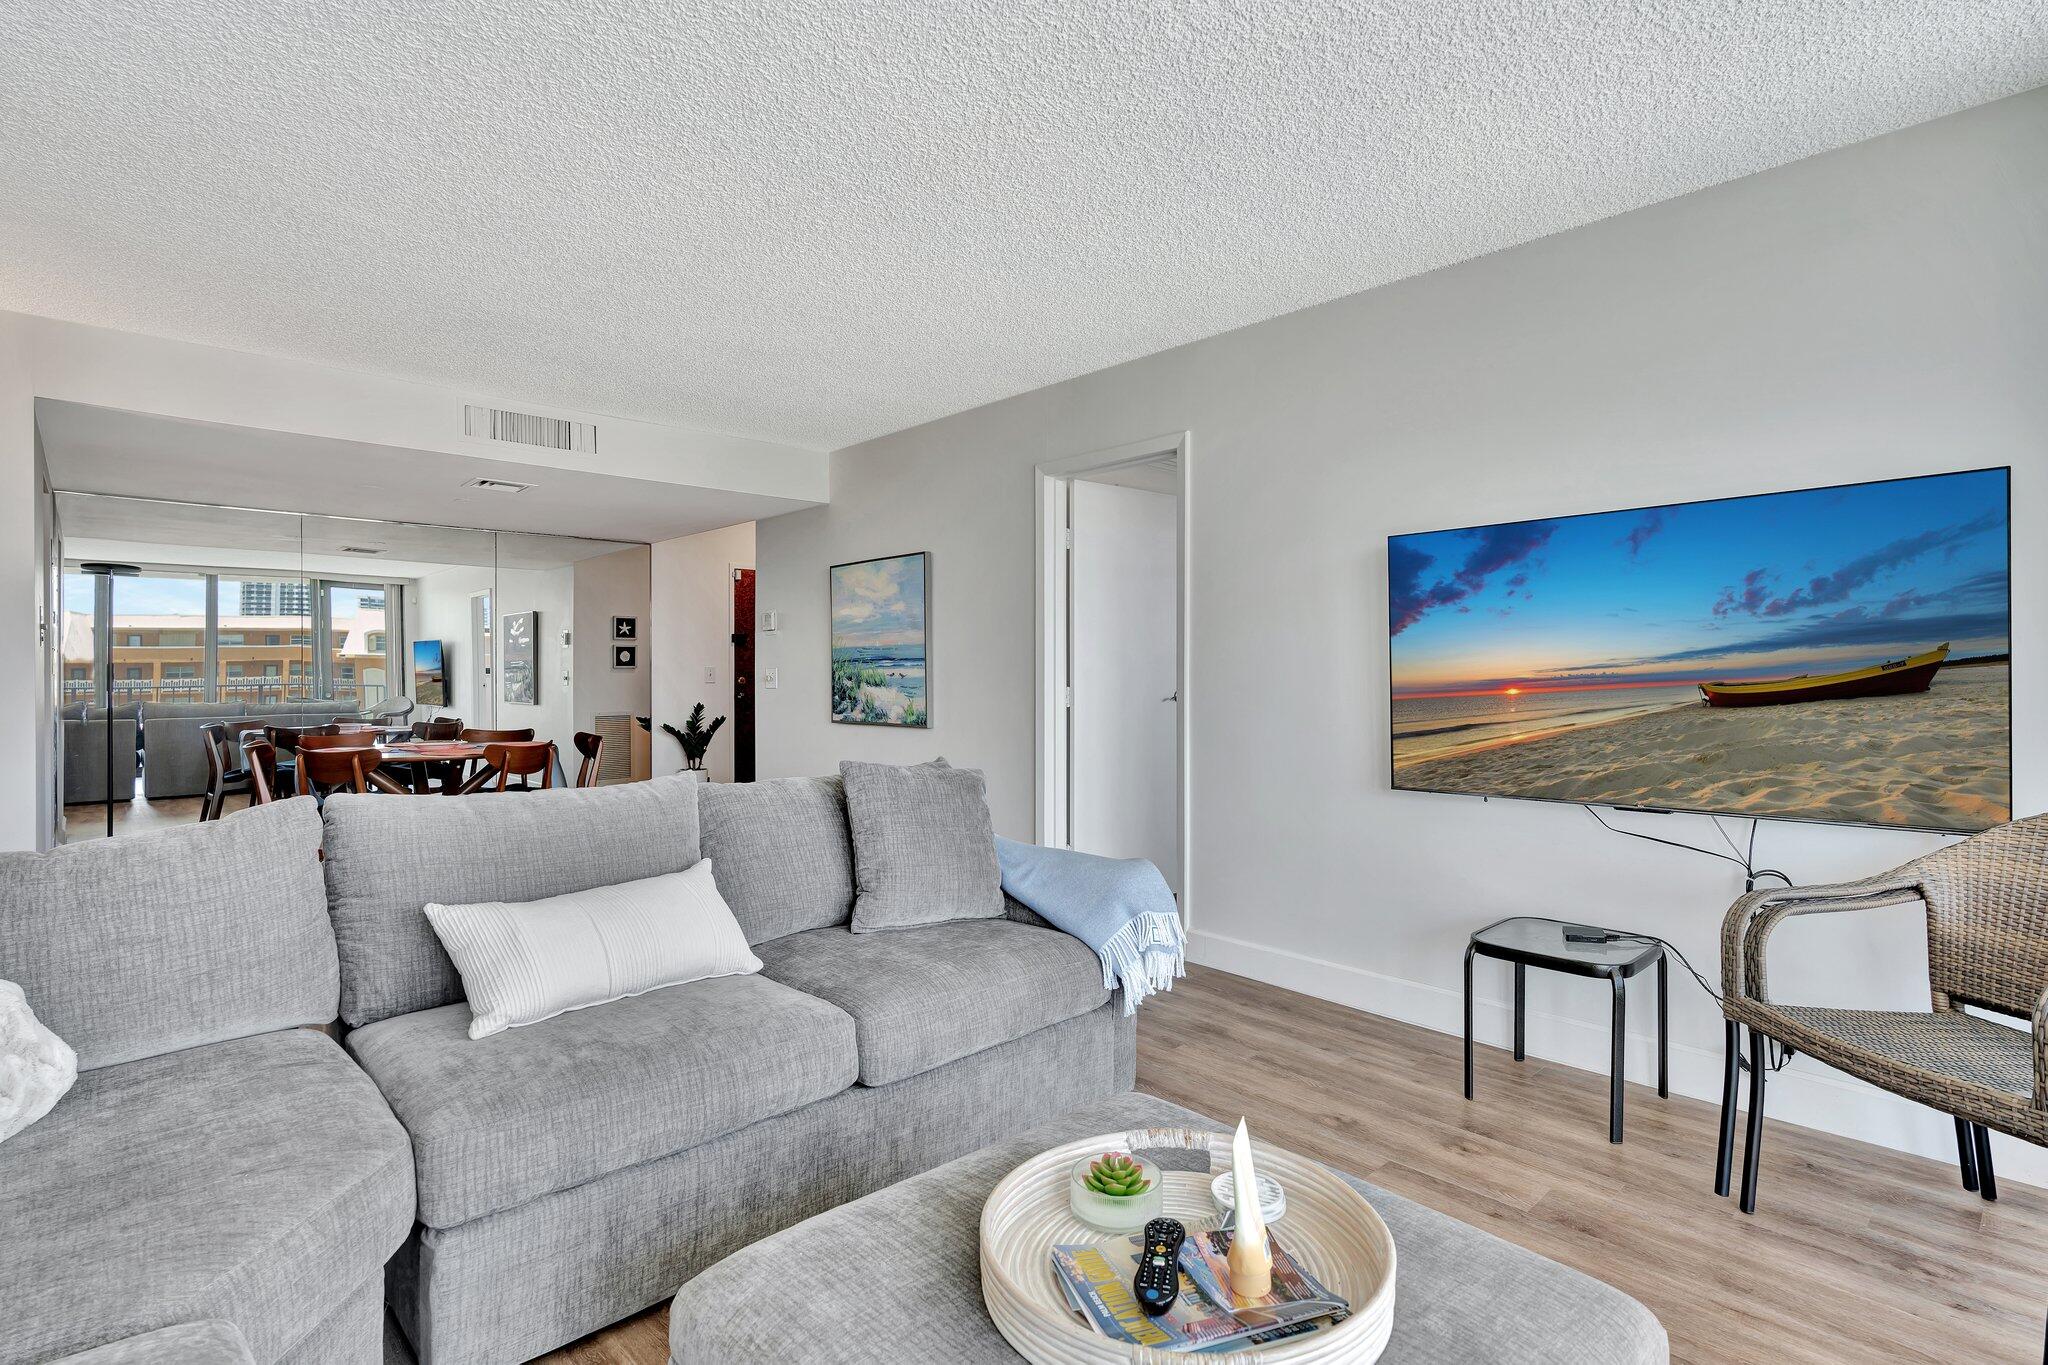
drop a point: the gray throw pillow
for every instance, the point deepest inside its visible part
(924, 848)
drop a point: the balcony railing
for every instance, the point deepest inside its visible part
(252, 691)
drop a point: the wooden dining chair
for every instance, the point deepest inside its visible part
(518, 758)
(225, 776)
(473, 767)
(324, 770)
(438, 731)
(592, 748)
(259, 756)
(316, 741)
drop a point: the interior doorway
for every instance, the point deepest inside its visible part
(1113, 732)
(483, 704)
(743, 675)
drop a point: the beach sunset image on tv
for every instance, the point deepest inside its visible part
(1834, 654)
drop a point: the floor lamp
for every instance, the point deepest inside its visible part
(110, 572)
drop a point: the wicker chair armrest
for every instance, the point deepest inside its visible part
(2041, 1052)
(1751, 920)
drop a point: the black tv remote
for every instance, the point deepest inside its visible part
(1157, 1283)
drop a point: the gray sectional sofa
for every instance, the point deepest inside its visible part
(217, 1163)
(164, 737)
(174, 752)
(217, 1159)
(574, 1172)
(86, 728)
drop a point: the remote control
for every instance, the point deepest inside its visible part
(1157, 1283)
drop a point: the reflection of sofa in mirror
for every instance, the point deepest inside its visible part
(85, 753)
(174, 751)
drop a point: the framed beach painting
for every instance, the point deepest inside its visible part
(1835, 654)
(879, 637)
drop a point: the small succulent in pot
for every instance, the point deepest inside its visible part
(1117, 1176)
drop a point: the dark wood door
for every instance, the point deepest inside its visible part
(743, 675)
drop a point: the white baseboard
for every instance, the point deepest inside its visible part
(1805, 1093)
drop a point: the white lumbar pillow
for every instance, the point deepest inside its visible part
(36, 1066)
(525, 961)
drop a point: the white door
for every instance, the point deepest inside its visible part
(484, 707)
(1124, 772)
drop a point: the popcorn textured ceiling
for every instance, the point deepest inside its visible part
(819, 222)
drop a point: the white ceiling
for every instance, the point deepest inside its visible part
(830, 219)
(142, 455)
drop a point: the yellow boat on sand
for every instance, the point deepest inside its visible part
(1915, 674)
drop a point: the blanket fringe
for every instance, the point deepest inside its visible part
(1146, 955)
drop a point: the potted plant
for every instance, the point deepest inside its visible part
(1115, 1191)
(695, 737)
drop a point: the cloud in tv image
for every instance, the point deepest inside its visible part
(878, 642)
(1834, 654)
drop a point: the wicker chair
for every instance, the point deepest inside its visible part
(1987, 946)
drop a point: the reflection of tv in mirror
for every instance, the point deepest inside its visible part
(1836, 654)
(429, 673)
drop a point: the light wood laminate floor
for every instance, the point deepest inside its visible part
(1856, 1253)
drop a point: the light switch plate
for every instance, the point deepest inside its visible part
(771, 678)
(710, 675)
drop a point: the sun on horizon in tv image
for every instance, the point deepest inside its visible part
(1836, 654)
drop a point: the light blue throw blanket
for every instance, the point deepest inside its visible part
(1120, 907)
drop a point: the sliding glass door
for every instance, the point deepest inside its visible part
(263, 639)
(167, 636)
(359, 635)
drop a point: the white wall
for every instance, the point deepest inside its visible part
(443, 613)
(24, 737)
(437, 608)
(692, 611)
(606, 586)
(1872, 312)
(49, 610)
(184, 379)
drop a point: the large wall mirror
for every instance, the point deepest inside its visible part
(174, 615)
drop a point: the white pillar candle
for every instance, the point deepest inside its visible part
(1251, 1262)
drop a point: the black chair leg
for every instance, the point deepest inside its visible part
(1966, 1153)
(1731, 1072)
(1987, 1179)
(1753, 1147)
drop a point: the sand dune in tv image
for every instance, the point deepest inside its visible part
(1835, 654)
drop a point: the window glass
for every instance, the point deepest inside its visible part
(359, 663)
(158, 620)
(264, 627)
(75, 646)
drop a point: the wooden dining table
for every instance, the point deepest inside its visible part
(417, 757)
(420, 756)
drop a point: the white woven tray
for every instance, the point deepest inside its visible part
(1337, 1235)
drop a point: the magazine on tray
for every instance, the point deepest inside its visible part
(1095, 1278)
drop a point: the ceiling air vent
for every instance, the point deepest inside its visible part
(524, 428)
(360, 550)
(498, 485)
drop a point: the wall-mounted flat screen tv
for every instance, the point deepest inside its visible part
(429, 673)
(1837, 654)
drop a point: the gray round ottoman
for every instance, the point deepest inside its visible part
(895, 1277)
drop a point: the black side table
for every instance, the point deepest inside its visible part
(1541, 943)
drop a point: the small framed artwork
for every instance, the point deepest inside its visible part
(880, 634)
(522, 666)
(625, 627)
(625, 656)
